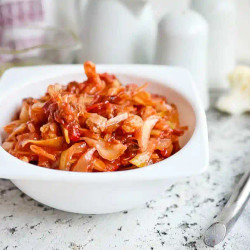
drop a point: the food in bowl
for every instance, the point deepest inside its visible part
(97, 125)
(105, 192)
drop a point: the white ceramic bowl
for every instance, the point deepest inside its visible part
(97, 193)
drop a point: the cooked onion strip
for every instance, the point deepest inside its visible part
(12, 125)
(67, 155)
(54, 142)
(66, 134)
(83, 164)
(144, 133)
(99, 165)
(18, 130)
(108, 151)
(40, 151)
(142, 159)
(119, 118)
(8, 145)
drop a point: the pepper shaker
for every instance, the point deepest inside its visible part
(221, 18)
(182, 41)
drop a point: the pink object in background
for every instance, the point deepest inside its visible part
(18, 14)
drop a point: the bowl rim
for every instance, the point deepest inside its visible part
(151, 172)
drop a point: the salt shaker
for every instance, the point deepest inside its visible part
(182, 41)
(61, 14)
(118, 31)
(221, 18)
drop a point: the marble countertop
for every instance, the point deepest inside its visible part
(176, 220)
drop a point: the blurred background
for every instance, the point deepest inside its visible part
(34, 32)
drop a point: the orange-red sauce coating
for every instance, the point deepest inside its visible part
(94, 126)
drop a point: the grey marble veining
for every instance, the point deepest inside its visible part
(176, 220)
